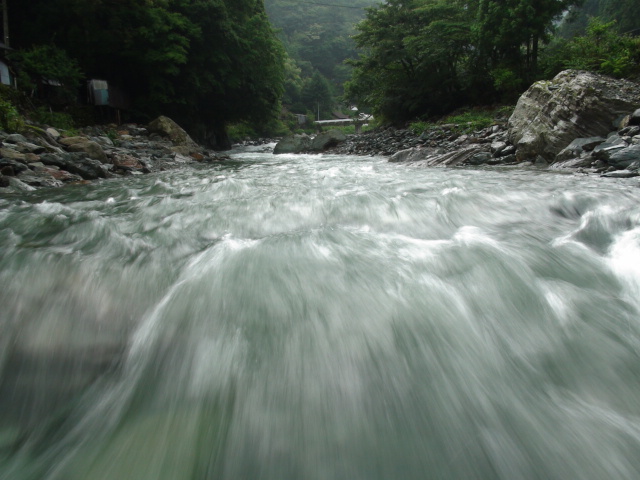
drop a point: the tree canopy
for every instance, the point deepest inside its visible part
(427, 57)
(317, 37)
(206, 62)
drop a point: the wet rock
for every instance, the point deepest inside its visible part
(621, 174)
(127, 163)
(84, 145)
(41, 179)
(480, 158)
(104, 141)
(414, 154)
(608, 148)
(87, 168)
(292, 144)
(26, 147)
(7, 171)
(508, 151)
(165, 127)
(571, 164)
(625, 157)
(497, 147)
(18, 185)
(12, 154)
(15, 138)
(453, 158)
(325, 140)
(630, 131)
(577, 147)
(15, 165)
(53, 133)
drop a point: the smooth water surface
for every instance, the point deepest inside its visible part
(322, 317)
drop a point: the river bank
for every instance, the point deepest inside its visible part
(578, 122)
(42, 157)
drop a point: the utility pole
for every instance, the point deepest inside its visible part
(5, 22)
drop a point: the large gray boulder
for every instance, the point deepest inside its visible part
(575, 104)
(166, 127)
(293, 144)
(325, 140)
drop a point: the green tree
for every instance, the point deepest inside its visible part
(317, 37)
(509, 33)
(316, 96)
(204, 62)
(412, 58)
(46, 63)
(603, 49)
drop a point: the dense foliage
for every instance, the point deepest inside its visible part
(626, 14)
(603, 49)
(205, 62)
(426, 57)
(317, 37)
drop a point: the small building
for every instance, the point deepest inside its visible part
(6, 75)
(103, 94)
(300, 118)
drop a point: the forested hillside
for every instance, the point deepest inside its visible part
(317, 37)
(205, 62)
(420, 58)
(211, 63)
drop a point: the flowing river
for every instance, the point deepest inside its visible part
(320, 318)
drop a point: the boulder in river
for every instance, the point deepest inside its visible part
(293, 144)
(575, 104)
(166, 127)
(325, 140)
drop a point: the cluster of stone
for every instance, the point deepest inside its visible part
(579, 121)
(43, 157)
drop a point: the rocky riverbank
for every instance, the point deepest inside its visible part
(43, 157)
(579, 122)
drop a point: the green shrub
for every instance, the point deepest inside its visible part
(10, 119)
(602, 49)
(466, 121)
(240, 131)
(471, 120)
(420, 127)
(46, 62)
(60, 120)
